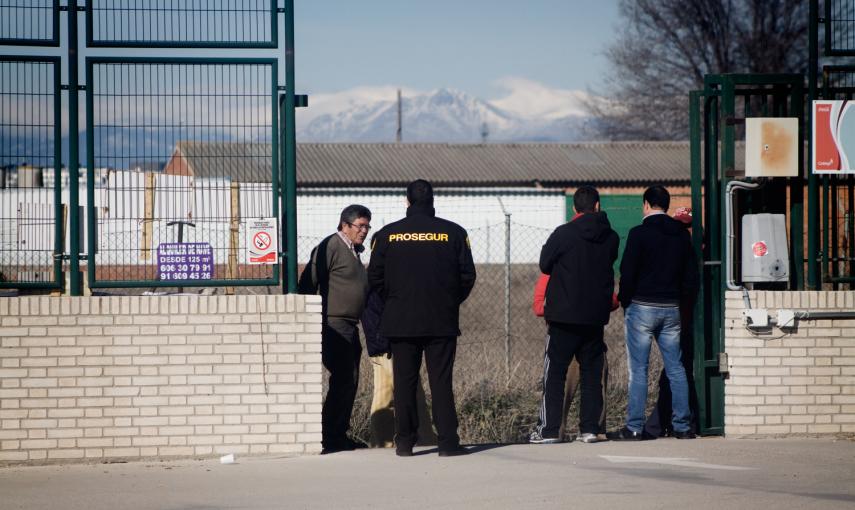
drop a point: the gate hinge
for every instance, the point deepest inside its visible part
(280, 10)
(300, 100)
(723, 367)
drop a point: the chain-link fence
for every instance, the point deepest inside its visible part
(500, 352)
(501, 338)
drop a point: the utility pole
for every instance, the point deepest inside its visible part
(400, 119)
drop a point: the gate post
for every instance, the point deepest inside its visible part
(74, 154)
(290, 159)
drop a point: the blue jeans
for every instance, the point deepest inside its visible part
(642, 324)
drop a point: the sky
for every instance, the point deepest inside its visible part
(469, 45)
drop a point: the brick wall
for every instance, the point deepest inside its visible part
(791, 382)
(91, 378)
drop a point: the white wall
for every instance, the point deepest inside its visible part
(534, 214)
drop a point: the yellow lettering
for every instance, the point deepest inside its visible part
(419, 236)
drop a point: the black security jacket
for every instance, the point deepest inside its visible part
(579, 258)
(422, 268)
(659, 264)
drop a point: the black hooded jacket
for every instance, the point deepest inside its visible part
(422, 269)
(579, 258)
(659, 266)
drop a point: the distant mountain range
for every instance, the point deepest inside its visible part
(529, 112)
(526, 112)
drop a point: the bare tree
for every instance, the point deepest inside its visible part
(665, 48)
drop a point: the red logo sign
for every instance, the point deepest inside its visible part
(759, 249)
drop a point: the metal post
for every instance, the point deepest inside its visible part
(508, 294)
(697, 237)
(290, 142)
(797, 221)
(813, 188)
(59, 218)
(73, 155)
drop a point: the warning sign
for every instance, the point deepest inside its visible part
(262, 241)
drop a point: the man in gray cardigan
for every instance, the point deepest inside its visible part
(336, 272)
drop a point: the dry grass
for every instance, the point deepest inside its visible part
(497, 397)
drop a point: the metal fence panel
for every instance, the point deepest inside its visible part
(29, 22)
(179, 151)
(30, 183)
(839, 27)
(502, 340)
(182, 23)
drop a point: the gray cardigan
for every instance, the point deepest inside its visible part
(343, 283)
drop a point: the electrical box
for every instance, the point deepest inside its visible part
(765, 257)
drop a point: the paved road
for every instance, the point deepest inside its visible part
(667, 473)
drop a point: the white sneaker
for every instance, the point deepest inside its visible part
(588, 438)
(536, 438)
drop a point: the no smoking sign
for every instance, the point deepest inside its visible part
(262, 241)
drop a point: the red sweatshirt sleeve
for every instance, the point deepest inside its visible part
(540, 295)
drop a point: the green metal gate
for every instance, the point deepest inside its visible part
(717, 115)
(31, 207)
(180, 152)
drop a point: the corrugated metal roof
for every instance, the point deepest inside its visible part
(376, 164)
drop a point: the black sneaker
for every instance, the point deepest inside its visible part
(536, 438)
(624, 434)
(402, 451)
(687, 434)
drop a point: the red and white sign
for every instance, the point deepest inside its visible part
(262, 241)
(760, 249)
(833, 137)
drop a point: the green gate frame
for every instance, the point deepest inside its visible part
(712, 144)
(58, 224)
(284, 140)
(92, 220)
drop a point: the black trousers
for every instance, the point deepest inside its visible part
(340, 352)
(406, 364)
(562, 343)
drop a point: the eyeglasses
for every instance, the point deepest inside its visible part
(365, 227)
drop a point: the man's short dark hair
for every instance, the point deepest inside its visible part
(420, 192)
(352, 212)
(585, 199)
(658, 197)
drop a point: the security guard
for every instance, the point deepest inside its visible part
(422, 267)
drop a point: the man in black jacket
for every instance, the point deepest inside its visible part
(658, 271)
(579, 257)
(422, 268)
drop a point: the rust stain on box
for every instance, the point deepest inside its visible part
(776, 148)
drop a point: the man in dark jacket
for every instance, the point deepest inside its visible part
(658, 272)
(579, 257)
(422, 268)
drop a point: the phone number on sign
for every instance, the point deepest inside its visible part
(185, 276)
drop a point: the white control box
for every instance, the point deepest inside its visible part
(765, 256)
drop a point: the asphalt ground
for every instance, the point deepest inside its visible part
(665, 473)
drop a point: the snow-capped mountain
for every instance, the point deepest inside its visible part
(528, 111)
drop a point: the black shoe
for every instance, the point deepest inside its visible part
(687, 434)
(403, 452)
(454, 452)
(624, 434)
